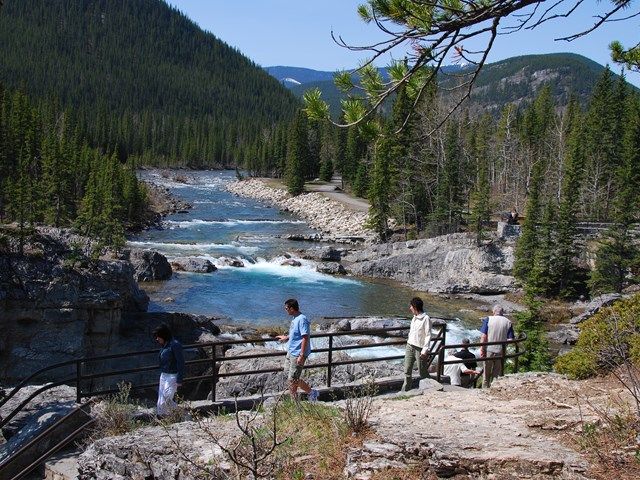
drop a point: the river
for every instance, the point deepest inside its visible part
(223, 225)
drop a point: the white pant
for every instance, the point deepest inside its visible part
(166, 391)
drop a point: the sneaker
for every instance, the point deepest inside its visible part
(313, 395)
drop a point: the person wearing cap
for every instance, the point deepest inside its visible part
(470, 362)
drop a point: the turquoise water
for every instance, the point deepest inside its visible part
(223, 225)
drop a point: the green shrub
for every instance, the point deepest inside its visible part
(609, 338)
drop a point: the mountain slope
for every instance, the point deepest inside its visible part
(142, 75)
(514, 80)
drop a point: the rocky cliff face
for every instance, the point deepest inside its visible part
(56, 304)
(447, 264)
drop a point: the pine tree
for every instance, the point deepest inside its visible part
(481, 194)
(297, 155)
(379, 193)
(618, 257)
(528, 241)
(541, 280)
(448, 203)
(537, 357)
(602, 146)
(566, 272)
(327, 152)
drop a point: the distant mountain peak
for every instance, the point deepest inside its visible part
(290, 80)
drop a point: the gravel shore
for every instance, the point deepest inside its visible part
(335, 220)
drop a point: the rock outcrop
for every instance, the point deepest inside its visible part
(334, 219)
(150, 266)
(331, 268)
(57, 302)
(446, 264)
(229, 387)
(193, 264)
(464, 434)
(516, 429)
(151, 452)
(323, 254)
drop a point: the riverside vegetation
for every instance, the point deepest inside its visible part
(67, 165)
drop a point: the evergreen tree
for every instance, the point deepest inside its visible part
(448, 203)
(602, 146)
(618, 259)
(297, 155)
(537, 357)
(327, 152)
(380, 187)
(542, 277)
(528, 241)
(481, 195)
(566, 273)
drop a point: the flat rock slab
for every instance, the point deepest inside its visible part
(473, 434)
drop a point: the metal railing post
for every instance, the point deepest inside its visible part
(78, 381)
(516, 363)
(214, 373)
(329, 361)
(503, 360)
(443, 342)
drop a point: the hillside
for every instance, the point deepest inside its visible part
(140, 77)
(514, 80)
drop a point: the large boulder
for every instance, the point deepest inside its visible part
(331, 268)
(446, 264)
(323, 254)
(193, 264)
(230, 262)
(149, 265)
(592, 307)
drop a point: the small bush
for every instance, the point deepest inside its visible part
(117, 414)
(577, 365)
(358, 405)
(606, 340)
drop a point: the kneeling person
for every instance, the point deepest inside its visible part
(298, 350)
(455, 371)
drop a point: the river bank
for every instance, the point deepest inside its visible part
(336, 220)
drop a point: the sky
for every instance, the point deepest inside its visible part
(298, 32)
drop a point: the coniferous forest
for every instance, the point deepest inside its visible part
(49, 174)
(556, 165)
(139, 78)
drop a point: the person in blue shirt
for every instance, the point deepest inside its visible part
(171, 369)
(298, 350)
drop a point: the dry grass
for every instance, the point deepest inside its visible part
(317, 441)
(612, 441)
(415, 473)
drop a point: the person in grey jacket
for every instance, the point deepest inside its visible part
(171, 369)
(418, 343)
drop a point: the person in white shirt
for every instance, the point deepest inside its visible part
(418, 343)
(455, 370)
